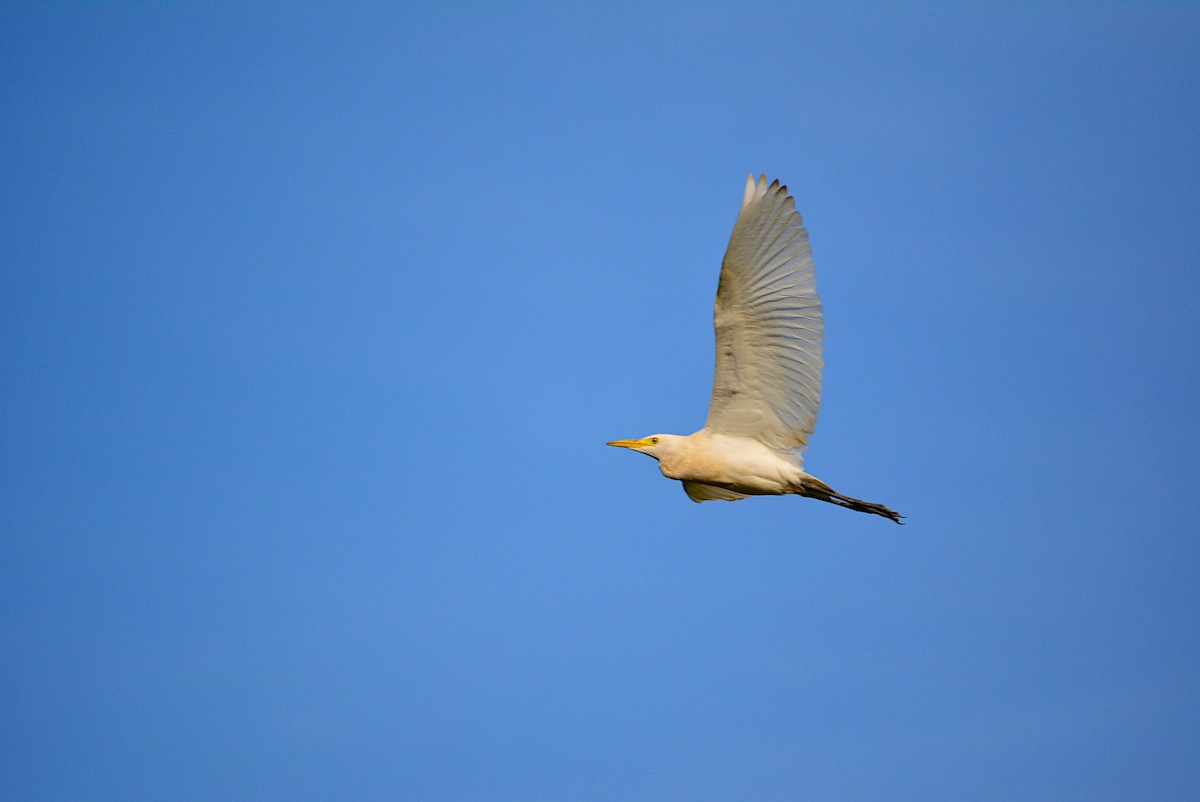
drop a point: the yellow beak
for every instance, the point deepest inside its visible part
(630, 443)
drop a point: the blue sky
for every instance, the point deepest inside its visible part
(314, 321)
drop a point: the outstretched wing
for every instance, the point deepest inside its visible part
(769, 326)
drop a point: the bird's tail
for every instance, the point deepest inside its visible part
(812, 487)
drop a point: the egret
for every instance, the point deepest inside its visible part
(767, 383)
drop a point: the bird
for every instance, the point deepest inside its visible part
(767, 382)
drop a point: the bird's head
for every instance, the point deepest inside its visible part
(656, 445)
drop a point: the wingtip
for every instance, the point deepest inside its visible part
(759, 187)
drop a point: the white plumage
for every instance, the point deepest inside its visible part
(767, 382)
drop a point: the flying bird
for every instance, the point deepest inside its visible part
(767, 383)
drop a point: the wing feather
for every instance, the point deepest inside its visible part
(699, 491)
(769, 326)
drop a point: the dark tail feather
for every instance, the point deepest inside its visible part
(812, 487)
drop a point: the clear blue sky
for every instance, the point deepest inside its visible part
(314, 321)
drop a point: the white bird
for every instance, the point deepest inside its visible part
(767, 384)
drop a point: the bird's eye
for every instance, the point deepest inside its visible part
(653, 441)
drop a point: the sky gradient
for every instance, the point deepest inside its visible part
(314, 321)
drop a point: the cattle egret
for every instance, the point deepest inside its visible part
(767, 383)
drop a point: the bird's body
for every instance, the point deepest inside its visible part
(767, 383)
(740, 464)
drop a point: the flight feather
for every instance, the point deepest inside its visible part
(769, 326)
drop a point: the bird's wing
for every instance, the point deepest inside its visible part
(769, 326)
(698, 491)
